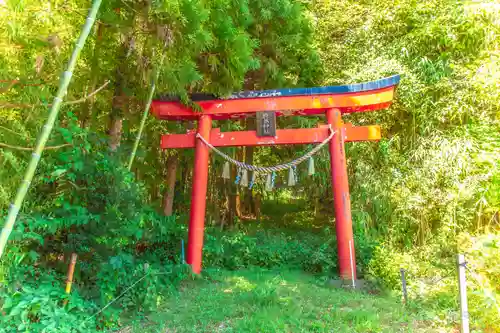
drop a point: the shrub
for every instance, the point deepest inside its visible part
(306, 251)
(33, 300)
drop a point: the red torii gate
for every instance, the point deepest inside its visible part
(332, 101)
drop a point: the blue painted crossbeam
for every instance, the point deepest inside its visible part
(348, 88)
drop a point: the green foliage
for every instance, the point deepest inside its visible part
(83, 200)
(432, 276)
(223, 46)
(483, 255)
(257, 300)
(434, 176)
(437, 157)
(86, 202)
(33, 301)
(123, 270)
(309, 252)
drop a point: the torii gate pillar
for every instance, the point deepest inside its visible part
(341, 197)
(199, 196)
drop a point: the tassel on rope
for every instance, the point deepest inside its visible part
(291, 177)
(270, 181)
(252, 181)
(226, 174)
(238, 177)
(310, 169)
(269, 187)
(244, 178)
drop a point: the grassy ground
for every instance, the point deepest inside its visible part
(264, 301)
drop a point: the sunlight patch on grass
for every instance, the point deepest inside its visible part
(240, 283)
(284, 301)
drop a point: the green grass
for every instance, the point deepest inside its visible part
(286, 301)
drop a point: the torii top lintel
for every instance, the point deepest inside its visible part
(350, 98)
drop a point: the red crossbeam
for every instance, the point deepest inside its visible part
(283, 137)
(292, 105)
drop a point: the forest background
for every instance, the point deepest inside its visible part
(428, 190)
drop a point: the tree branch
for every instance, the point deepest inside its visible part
(4, 145)
(11, 84)
(20, 83)
(11, 131)
(83, 99)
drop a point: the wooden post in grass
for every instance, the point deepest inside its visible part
(47, 128)
(403, 283)
(71, 272)
(464, 311)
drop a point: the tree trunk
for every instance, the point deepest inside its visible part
(239, 157)
(119, 103)
(184, 177)
(256, 206)
(220, 202)
(232, 194)
(248, 199)
(154, 154)
(238, 203)
(231, 197)
(225, 216)
(215, 204)
(186, 185)
(172, 163)
(115, 132)
(86, 112)
(317, 202)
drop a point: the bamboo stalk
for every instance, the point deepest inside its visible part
(47, 128)
(146, 112)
